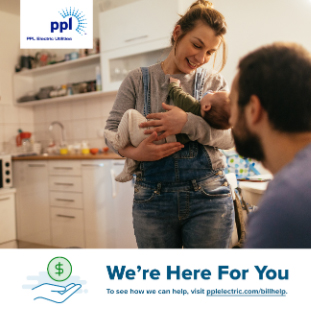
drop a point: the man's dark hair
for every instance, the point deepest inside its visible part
(280, 75)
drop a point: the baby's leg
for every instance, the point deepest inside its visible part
(130, 167)
(129, 122)
(129, 131)
(136, 133)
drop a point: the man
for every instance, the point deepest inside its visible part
(271, 120)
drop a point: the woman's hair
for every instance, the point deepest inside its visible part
(203, 11)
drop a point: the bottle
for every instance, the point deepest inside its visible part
(98, 79)
(85, 148)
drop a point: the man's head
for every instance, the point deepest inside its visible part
(273, 82)
(215, 109)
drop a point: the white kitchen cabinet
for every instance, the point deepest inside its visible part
(65, 168)
(66, 199)
(98, 208)
(67, 227)
(67, 211)
(117, 64)
(74, 203)
(140, 38)
(7, 215)
(32, 201)
(107, 205)
(122, 198)
(138, 23)
(65, 183)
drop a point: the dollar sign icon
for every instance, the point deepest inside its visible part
(59, 268)
(62, 266)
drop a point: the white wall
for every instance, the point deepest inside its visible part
(11, 118)
(252, 24)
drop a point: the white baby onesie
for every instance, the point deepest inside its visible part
(129, 132)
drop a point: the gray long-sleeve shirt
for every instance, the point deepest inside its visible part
(284, 212)
(131, 95)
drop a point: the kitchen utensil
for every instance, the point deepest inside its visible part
(21, 136)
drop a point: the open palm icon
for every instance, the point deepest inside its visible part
(55, 293)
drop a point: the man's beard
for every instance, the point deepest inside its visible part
(247, 144)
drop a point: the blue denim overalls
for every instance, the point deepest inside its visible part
(180, 201)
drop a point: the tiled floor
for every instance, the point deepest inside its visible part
(16, 244)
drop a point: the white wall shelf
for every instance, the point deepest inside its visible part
(75, 97)
(66, 65)
(56, 75)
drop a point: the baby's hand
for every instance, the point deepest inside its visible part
(174, 80)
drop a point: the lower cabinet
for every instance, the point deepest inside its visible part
(70, 203)
(67, 227)
(107, 205)
(7, 215)
(32, 201)
(66, 204)
(98, 208)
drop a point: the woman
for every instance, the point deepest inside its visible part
(181, 197)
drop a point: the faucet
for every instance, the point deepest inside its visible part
(62, 140)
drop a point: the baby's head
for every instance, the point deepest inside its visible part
(215, 109)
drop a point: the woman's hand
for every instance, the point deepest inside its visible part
(170, 123)
(148, 151)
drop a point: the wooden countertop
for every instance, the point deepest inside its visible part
(104, 156)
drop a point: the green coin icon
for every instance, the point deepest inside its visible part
(59, 269)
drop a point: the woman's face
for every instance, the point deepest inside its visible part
(195, 48)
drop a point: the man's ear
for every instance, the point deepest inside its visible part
(176, 32)
(254, 110)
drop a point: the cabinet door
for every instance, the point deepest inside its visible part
(147, 21)
(122, 196)
(32, 201)
(116, 64)
(65, 183)
(98, 208)
(67, 227)
(65, 168)
(7, 217)
(66, 199)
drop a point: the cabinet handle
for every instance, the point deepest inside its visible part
(137, 38)
(63, 216)
(64, 200)
(63, 168)
(113, 183)
(63, 184)
(36, 165)
(99, 164)
(4, 198)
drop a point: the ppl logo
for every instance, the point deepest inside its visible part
(76, 21)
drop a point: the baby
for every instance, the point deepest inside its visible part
(214, 108)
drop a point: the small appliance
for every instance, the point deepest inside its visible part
(6, 180)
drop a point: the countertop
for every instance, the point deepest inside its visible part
(255, 187)
(105, 156)
(7, 191)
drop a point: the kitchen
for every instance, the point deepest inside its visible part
(84, 117)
